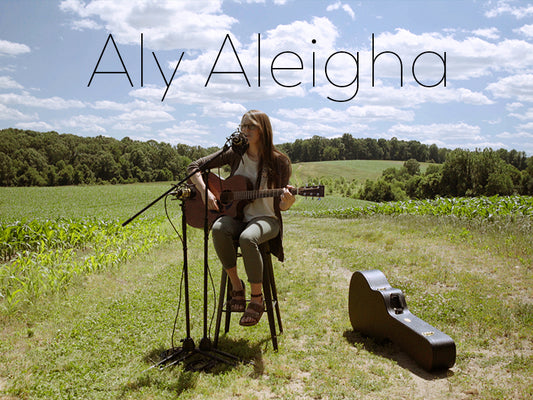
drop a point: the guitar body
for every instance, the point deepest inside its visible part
(378, 310)
(222, 189)
(232, 195)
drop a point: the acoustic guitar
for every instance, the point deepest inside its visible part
(232, 195)
(378, 310)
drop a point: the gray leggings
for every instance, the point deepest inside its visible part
(250, 234)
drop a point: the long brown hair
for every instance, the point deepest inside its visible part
(269, 154)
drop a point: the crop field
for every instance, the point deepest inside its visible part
(87, 306)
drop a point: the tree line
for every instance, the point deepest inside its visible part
(347, 147)
(29, 158)
(463, 174)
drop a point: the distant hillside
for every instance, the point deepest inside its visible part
(361, 170)
(464, 173)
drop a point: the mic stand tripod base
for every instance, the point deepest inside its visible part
(201, 358)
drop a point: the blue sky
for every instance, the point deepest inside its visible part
(296, 56)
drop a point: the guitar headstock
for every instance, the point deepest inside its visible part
(311, 191)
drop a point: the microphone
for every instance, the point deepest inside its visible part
(239, 143)
(184, 192)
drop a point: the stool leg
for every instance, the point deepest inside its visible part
(228, 306)
(220, 306)
(275, 296)
(267, 289)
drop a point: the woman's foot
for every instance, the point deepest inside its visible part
(238, 299)
(254, 311)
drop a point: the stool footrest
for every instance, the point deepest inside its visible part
(271, 304)
(226, 309)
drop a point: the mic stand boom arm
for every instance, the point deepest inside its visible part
(201, 168)
(236, 140)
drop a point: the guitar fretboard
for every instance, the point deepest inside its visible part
(258, 194)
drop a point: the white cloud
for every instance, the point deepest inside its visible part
(187, 127)
(132, 106)
(11, 114)
(359, 114)
(528, 126)
(526, 30)
(165, 24)
(187, 132)
(83, 24)
(12, 49)
(224, 109)
(52, 103)
(520, 140)
(35, 126)
(128, 126)
(445, 133)
(345, 7)
(489, 33)
(517, 87)
(145, 116)
(507, 7)
(472, 57)
(525, 115)
(7, 82)
(521, 133)
(93, 124)
(514, 106)
(292, 124)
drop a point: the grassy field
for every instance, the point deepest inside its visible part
(94, 339)
(126, 200)
(119, 201)
(361, 170)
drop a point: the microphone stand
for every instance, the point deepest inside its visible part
(205, 356)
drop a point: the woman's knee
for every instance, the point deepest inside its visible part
(247, 242)
(221, 228)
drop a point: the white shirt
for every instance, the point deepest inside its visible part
(262, 207)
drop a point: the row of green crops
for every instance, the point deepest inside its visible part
(42, 235)
(42, 256)
(469, 208)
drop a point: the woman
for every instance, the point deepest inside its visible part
(266, 168)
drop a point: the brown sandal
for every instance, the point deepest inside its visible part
(254, 312)
(238, 305)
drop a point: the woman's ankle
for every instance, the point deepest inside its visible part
(257, 298)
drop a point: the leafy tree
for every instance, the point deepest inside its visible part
(7, 170)
(412, 166)
(66, 175)
(456, 173)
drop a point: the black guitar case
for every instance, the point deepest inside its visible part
(378, 310)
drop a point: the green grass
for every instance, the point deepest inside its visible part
(106, 201)
(470, 278)
(53, 235)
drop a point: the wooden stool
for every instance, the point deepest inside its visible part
(269, 292)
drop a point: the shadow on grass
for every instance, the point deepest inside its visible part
(387, 349)
(181, 376)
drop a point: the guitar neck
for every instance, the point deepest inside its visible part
(259, 194)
